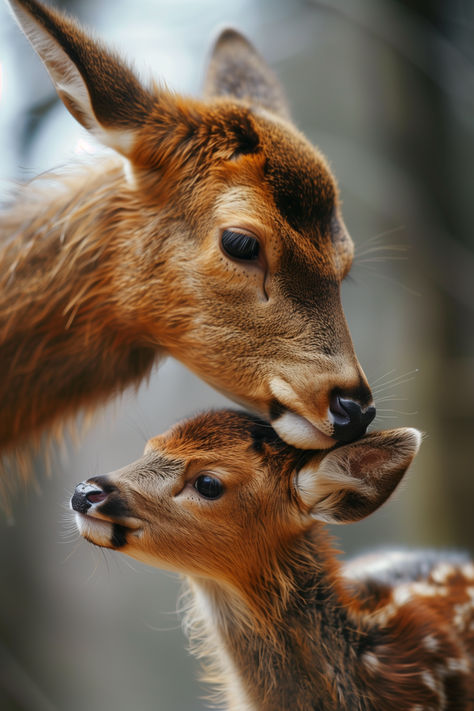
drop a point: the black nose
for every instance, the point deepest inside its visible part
(350, 420)
(85, 495)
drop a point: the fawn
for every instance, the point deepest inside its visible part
(222, 499)
(211, 232)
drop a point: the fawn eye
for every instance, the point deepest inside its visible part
(239, 245)
(208, 486)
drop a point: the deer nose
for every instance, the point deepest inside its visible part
(349, 419)
(85, 495)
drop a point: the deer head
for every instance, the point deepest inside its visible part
(220, 495)
(231, 249)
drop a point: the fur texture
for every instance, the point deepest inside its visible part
(280, 622)
(108, 267)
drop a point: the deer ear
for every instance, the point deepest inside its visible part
(237, 70)
(352, 481)
(98, 89)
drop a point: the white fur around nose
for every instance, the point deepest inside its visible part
(296, 429)
(299, 432)
(93, 529)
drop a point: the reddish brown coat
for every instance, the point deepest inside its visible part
(110, 266)
(284, 625)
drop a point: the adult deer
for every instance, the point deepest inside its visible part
(212, 233)
(222, 499)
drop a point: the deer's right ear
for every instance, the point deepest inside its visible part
(237, 70)
(98, 89)
(352, 481)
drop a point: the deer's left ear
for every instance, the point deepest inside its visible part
(238, 71)
(352, 481)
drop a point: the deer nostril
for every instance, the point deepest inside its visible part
(95, 497)
(339, 411)
(349, 419)
(85, 495)
(352, 408)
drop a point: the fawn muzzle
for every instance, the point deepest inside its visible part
(85, 495)
(102, 516)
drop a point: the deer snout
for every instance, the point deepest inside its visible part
(321, 416)
(103, 516)
(350, 419)
(85, 495)
(99, 496)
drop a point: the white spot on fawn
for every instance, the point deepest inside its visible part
(431, 643)
(468, 571)
(410, 591)
(457, 666)
(403, 594)
(371, 661)
(442, 572)
(464, 612)
(429, 681)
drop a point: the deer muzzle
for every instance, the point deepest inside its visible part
(320, 421)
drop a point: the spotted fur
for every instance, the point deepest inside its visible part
(282, 624)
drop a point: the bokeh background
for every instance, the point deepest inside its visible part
(386, 89)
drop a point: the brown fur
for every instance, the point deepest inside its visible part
(283, 624)
(105, 270)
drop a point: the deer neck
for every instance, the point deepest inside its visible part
(68, 337)
(287, 643)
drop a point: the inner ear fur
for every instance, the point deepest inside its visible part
(352, 481)
(236, 70)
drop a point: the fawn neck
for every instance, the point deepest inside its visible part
(67, 311)
(289, 641)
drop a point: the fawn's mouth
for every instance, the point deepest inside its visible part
(93, 525)
(106, 534)
(94, 530)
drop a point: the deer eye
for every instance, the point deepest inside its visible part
(208, 486)
(239, 245)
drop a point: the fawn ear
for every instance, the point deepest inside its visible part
(98, 89)
(237, 70)
(352, 481)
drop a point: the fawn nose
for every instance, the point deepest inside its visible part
(350, 420)
(85, 495)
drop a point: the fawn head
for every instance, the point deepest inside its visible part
(230, 246)
(219, 495)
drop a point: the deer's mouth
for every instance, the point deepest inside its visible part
(343, 417)
(300, 432)
(95, 530)
(98, 526)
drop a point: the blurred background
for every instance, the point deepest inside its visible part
(386, 89)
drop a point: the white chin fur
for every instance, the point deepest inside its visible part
(299, 432)
(94, 529)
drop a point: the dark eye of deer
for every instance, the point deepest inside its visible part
(239, 245)
(208, 486)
